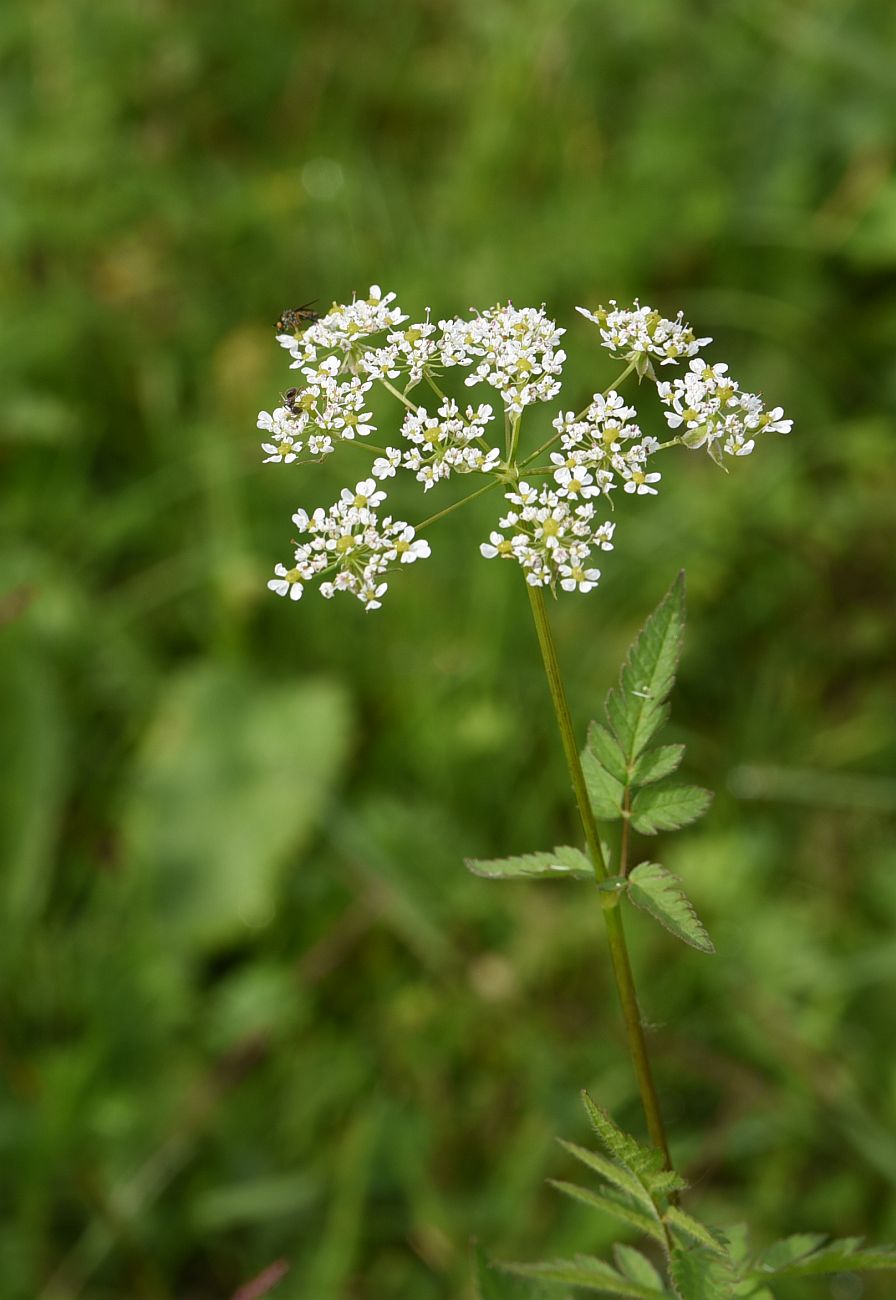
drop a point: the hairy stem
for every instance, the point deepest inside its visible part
(612, 914)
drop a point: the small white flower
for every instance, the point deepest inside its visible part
(286, 583)
(639, 482)
(496, 545)
(575, 578)
(320, 444)
(385, 466)
(371, 593)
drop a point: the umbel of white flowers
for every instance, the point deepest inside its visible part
(557, 495)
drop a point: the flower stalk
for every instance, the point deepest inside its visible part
(612, 914)
(553, 529)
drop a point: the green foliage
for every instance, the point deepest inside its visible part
(617, 761)
(175, 175)
(698, 1274)
(657, 891)
(232, 777)
(637, 1267)
(605, 792)
(656, 763)
(668, 807)
(33, 752)
(621, 1207)
(636, 709)
(698, 1261)
(627, 778)
(809, 1254)
(562, 861)
(589, 1274)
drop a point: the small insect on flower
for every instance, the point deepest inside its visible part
(294, 319)
(290, 400)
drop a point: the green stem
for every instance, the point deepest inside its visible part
(489, 487)
(619, 958)
(514, 439)
(370, 446)
(433, 385)
(396, 392)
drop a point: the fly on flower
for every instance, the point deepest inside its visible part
(294, 319)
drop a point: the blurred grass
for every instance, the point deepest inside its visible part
(360, 1062)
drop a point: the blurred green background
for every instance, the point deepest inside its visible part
(252, 1004)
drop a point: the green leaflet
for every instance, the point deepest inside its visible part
(613, 1204)
(604, 791)
(562, 861)
(630, 1153)
(656, 763)
(635, 709)
(617, 1175)
(701, 1275)
(607, 752)
(692, 1230)
(655, 890)
(637, 1267)
(589, 1273)
(791, 1258)
(667, 807)
(788, 1251)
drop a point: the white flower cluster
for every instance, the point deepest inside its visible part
(600, 445)
(551, 530)
(350, 541)
(325, 411)
(708, 405)
(552, 538)
(639, 333)
(512, 349)
(444, 442)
